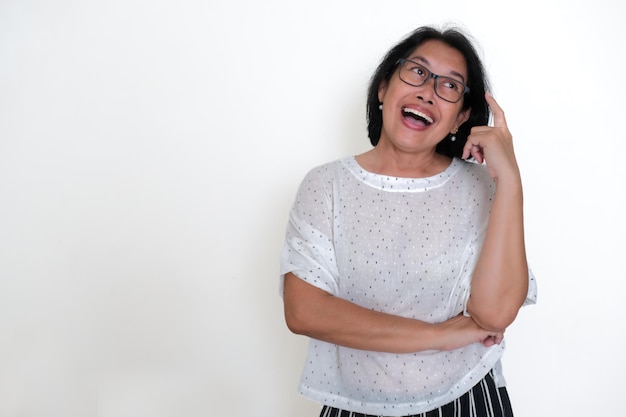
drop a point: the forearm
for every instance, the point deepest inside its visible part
(317, 314)
(312, 312)
(500, 279)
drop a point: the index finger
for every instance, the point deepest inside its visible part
(498, 114)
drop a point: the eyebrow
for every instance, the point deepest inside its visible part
(425, 61)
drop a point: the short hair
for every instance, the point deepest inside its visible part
(477, 82)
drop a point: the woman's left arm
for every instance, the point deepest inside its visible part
(500, 278)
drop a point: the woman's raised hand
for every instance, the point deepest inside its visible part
(493, 144)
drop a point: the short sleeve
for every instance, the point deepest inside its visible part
(308, 251)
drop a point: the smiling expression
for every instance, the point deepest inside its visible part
(415, 118)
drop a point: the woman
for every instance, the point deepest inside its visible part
(406, 264)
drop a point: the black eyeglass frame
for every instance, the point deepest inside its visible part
(430, 74)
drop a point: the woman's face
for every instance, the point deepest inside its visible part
(416, 118)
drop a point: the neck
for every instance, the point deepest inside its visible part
(389, 161)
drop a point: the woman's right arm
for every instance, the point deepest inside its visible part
(315, 313)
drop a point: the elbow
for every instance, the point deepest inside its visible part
(300, 317)
(306, 320)
(303, 305)
(493, 318)
(495, 321)
(496, 312)
(295, 320)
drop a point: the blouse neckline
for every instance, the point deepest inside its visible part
(401, 184)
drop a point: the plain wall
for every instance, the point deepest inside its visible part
(149, 154)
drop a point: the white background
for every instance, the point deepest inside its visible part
(149, 153)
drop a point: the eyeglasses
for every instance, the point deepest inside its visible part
(417, 75)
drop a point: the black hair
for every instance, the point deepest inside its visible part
(476, 81)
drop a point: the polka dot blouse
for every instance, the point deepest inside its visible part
(402, 246)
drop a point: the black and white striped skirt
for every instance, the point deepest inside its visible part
(483, 400)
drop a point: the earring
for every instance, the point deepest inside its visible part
(453, 137)
(380, 106)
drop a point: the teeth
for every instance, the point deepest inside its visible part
(418, 114)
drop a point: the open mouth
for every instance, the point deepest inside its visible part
(417, 115)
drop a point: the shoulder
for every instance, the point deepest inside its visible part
(476, 178)
(326, 173)
(477, 172)
(319, 182)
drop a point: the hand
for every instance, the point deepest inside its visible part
(460, 331)
(493, 340)
(493, 144)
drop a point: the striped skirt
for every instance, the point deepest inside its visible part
(483, 400)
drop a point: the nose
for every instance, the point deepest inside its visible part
(426, 92)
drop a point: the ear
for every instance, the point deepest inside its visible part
(382, 89)
(462, 118)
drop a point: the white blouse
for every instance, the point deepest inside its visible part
(403, 246)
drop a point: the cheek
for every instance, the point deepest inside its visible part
(389, 89)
